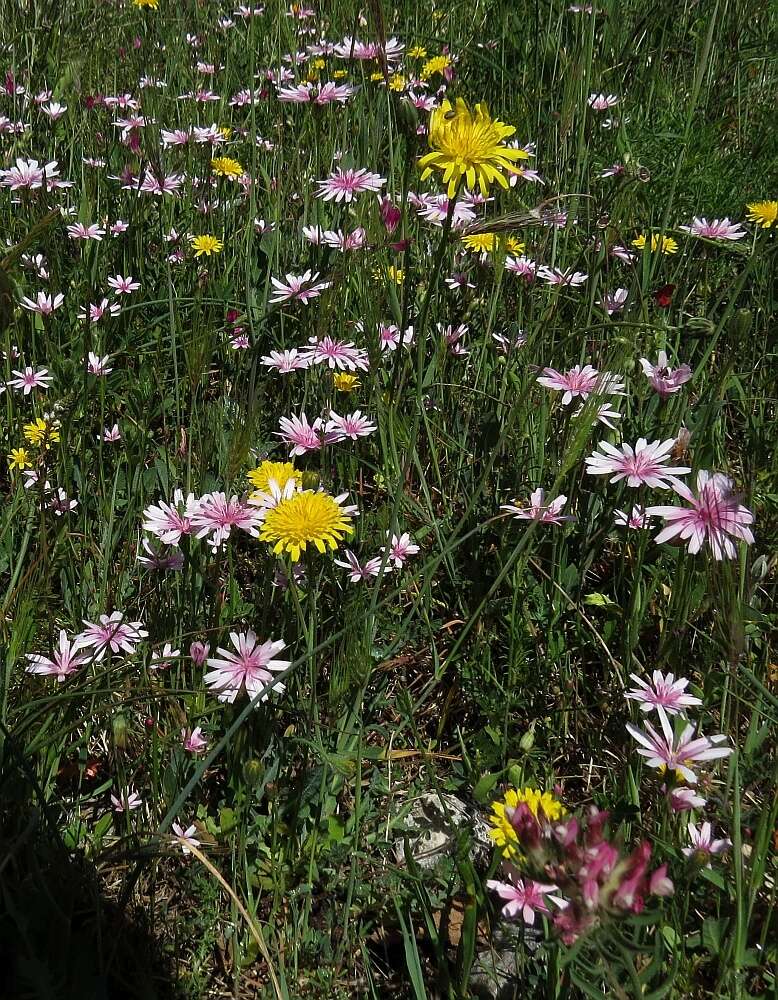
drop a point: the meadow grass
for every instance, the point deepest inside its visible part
(477, 652)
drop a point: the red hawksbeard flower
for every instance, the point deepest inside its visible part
(664, 296)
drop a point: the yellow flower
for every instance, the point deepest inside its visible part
(489, 242)
(19, 459)
(435, 65)
(318, 63)
(147, 3)
(40, 433)
(376, 77)
(418, 52)
(206, 245)
(344, 382)
(664, 244)
(395, 274)
(468, 145)
(503, 832)
(340, 74)
(763, 213)
(397, 83)
(226, 131)
(280, 472)
(302, 519)
(224, 166)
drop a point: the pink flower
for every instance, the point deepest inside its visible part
(601, 102)
(352, 425)
(250, 668)
(554, 276)
(703, 847)
(81, 232)
(345, 242)
(604, 414)
(112, 434)
(617, 170)
(338, 354)
(390, 214)
(193, 741)
(111, 632)
(507, 346)
(161, 658)
(169, 521)
(716, 516)
(719, 229)
(666, 750)
(43, 304)
(665, 380)
(359, 571)
(129, 801)
(199, 652)
(158, 186)
(123, 286)
(613, 302)
(286, 361)
(659, 884)
(400, 548)
(29, 379)
(303, 436)
(95, 311)
(96, 365)
(453, 337)
(63, 661)
(28, 174)
(303, 287)
(345, 185)
(168, 561)
(213, 517)
(663, 691)
(389, 337)
(523, 266)
(523, 896)
(539, 510)
(185, 838)
(642, 466)
(685, 799)
(581, 382)
(119, 227)
(636, 519)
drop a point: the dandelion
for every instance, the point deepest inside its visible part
(643, 465)
(663, 244)
(665, 750)
(306, 518)
(539, 510)
(715, 516)
(250, 667)
(278, 472)
(763, 213)
(206, 245)
(64, 661)
(19, 459)
(225, 166)
(542, 805)
(437, 65)
(343, 382)
(41, 433)
(469, 145)
(151, 4)
(662, 691)
(490, 242)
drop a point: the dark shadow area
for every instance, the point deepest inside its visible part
(60, 937)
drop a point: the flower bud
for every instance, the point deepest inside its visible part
(310, 480)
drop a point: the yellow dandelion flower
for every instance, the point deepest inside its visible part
(279, 472)
(206, 245)
(340, 74)
(489, 242)
(437, 64)
(344, 382)
(664, 244)
(377, 76)
(418, 52)
(19, 459)
(763, 213)
(469, 144)
(225, 166)
(318, 63)
(303, 519)
(226, 131)
(502, 831)
(40, 433)
(395, 274)
(153, 4)
(397, 83)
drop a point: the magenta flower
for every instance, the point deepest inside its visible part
(663, 691)
(129, 801)
(185, 838)
(718, 229)
(43, 304)
(601, 102)
(338, 354)
(96, 365)
(302, 287)
(636, 519)
(684, 799)
(251, 667)
(523, 896)
(643, 465)
(359, 571)
(539, 510)
(81, 232)
(702, 845)
(113, 633)
(193, 741)
(63, 661)
(345, 185)
(351, 425)
(213, 517)
(169, 521)
(581, 382)
(286, 361)
(96, 310)
(123, 286)
(29, 379)
(715, 516)
(665, 380)
(303, 436)
(554, 276)
(678, 753)
(400, 548)
(389, 213)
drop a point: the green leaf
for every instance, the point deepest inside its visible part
(484, 786)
